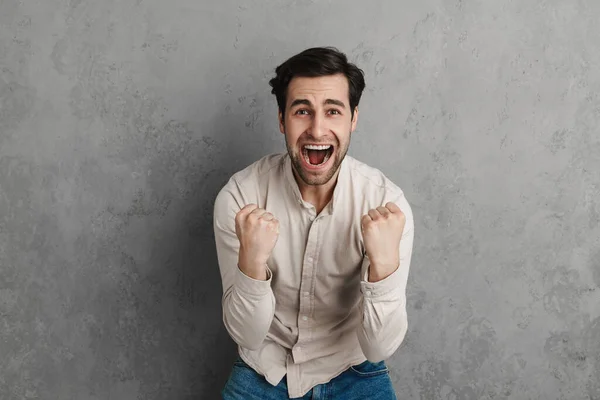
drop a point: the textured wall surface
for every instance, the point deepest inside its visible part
(121, 119)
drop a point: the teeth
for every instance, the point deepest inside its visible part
(305, 154)
(317, 147)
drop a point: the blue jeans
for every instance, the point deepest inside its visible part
(364, 381)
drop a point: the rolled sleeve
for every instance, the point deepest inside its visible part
(390, 286)
(253, 287)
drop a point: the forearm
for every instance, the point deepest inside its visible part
(248, 309)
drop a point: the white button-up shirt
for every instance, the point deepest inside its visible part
(316, 314)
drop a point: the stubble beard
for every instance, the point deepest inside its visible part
(308, 178)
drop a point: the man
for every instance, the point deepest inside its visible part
(314, 249)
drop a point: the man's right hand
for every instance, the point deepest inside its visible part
(257, 231)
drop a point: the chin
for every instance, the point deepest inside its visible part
(315, 175)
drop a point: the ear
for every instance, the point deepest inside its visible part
(354, 119)
(281, 123)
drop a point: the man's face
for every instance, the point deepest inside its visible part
(317, 126)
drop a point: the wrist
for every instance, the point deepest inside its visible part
(254, 268)
(380, 271)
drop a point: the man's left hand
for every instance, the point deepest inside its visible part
(382, 229)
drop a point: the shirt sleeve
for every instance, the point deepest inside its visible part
(384, 317)
(248, 304)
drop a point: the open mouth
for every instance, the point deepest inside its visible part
(317, 155)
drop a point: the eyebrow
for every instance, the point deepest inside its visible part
(308, 103)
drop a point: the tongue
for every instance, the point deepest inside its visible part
(316, 157)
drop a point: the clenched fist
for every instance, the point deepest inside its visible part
(257, 231)
(382, 229)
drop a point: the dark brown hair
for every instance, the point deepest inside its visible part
(313, 62)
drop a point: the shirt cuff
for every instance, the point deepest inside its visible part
(251, 286)
(382, 287)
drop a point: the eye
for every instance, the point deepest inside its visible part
(301, 112)
(334, 112)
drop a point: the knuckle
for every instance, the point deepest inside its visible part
(268, 217)
(248, 208)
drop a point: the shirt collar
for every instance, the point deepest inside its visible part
(338, 191)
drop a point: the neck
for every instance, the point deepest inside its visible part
(317, 195)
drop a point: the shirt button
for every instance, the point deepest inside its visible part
(310, 259)
(305, 318)
(312, 218)
(307, 293)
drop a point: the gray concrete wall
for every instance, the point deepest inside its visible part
(120, 121)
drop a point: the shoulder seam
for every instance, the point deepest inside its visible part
(386, 185)
(262, 173)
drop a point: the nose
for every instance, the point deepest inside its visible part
(317, 127)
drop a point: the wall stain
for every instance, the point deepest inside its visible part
(477, 343)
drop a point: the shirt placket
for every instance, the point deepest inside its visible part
(305, 309)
